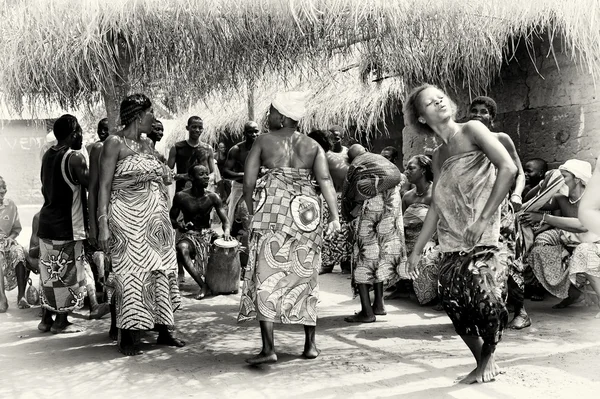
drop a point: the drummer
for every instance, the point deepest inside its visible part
(193, 245)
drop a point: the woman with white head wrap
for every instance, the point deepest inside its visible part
(568, 248)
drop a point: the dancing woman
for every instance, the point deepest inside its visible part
(472, 175)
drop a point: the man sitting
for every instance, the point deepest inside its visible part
(12, 255)
(193, 245)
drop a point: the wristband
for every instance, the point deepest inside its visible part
(516, 195)
(102, 216)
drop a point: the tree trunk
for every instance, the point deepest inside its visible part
(251, 101)
(119, 86)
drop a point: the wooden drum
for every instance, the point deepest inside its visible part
(223, 268)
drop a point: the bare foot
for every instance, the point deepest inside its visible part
(438, 308)
(113, 333)
(3, 305)
(70, 328)
(487, 370)
(129, 350)
(262, 358)
(520, 321)
(181, 278)
(22, 304)
(470, 378)
(379, 310)
(311, 353)
(44, 327)
(204, 292)
(568, 301)
(397, 294)
(360, 317)
(100, 311)
(169, 340)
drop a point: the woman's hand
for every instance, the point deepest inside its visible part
(104, 237)
(412, 264)
(333, 226)
(516, 202)
(531, 218)
(474, 232)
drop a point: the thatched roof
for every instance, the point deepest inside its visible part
(181, 50)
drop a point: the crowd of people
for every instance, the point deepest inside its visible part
(467, 229)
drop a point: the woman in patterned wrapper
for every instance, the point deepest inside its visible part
(134, 227)
(472, 175)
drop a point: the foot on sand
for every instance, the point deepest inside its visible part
(568, 301)
(470, 378)
(379, 311)
(520, 321)
(169, 340)
(44, 327)
(311, 353)
(113, 333)
(22, 304)
(3, 305)
(360, 317)
(70, 328)
(181, 278)
(397, 294)
(262, 358)
(100, 311)
(129, 350)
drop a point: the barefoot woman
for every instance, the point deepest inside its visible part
(134, 227)
(280, 281)
(467, 194)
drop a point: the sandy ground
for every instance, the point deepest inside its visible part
(412, 352)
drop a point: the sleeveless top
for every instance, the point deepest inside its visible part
(64, 213)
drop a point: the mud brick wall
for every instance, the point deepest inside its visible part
(20, 146)
(551, 112)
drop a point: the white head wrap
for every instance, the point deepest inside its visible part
(580, 169)
(291, 104)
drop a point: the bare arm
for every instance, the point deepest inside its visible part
(211, 160)
(512, 151)
(251, 169)
(321, 172)
(79, 169)
(16, 227)
(110, 156)
(498, 155)
(218, 204)
(565, 223)
(175, 211)
(171, 160)
(589, 207)
(34, 241)
(95, 152)
(232, 156)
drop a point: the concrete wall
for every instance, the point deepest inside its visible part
(20, 146)
(552, 113)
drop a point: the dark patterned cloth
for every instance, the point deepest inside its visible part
(337, 247)
(201, 241)
(472, 289)
(516, 281)
(368, 175)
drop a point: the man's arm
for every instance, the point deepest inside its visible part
(520, 179)
(233, 155)
(175, 211)
(79, 169)
(218, 204)
(251, 173)
(172, 155)
(34, 241)
(95, 152)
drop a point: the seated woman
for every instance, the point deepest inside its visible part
(415, 204)
(550, 257)
(13, 271)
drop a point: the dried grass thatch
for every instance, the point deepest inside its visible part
(179, 50)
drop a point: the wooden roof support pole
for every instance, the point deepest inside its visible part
(116, 90)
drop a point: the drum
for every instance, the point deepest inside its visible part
(223, 267)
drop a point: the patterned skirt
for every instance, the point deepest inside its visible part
(201, 242)
(62, 274)
(549, 262)
(10, 257)
(472, 288)
(379, 248)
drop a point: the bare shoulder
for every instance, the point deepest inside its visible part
(112, 143)
(505, 140)
(439, 155)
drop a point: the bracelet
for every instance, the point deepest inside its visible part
(515, 194)
(102, 216)
(543, 221)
